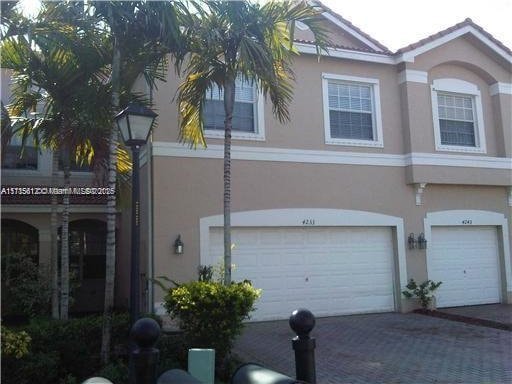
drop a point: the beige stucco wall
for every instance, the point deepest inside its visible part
(305, 130)
(336, 35)
(260, 185)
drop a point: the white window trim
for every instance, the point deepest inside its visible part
(377, 116)
(464, 88)
(259, 119)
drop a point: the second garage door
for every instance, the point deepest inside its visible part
(329, 270)
(466, 260)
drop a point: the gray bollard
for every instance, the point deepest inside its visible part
(177, 376)
(302, 321)
(144, 358)
(256, 374)
(97, 380)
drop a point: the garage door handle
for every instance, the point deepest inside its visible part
(307, 278)
(464, 271)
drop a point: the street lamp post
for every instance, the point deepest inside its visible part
(134, 123)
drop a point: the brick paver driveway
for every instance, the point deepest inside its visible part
(387, 348)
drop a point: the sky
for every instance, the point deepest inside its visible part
(398, 23)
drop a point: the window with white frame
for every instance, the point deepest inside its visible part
(457, 112)
(352, 111)
(247, 113)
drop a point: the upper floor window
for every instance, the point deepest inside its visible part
(456, 119)
(352, 111)
(18, 158)
(457, 112)
(247, 120)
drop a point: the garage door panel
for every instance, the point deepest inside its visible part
(330, 270)
(466, 260)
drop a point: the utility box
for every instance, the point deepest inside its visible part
(201, 364)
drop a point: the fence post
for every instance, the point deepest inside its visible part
(144, 358)
(302, 321)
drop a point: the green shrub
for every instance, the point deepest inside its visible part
(210, 313)
(25, 291)
(61, 350)
(173, 352)
(15, 344)
(424, 291)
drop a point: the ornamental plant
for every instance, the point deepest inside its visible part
(15, 344)
(424, 291)
(210, 313)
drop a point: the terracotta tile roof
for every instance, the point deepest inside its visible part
(383, 48)
(449, 30)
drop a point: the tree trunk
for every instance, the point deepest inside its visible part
(110, 270)
(64, 253)
(54, 256)
(229, 105)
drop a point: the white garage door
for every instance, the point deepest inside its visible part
(466, 260)
(329, 270)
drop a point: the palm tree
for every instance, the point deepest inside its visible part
(143, 35)
(58, 64)
(239, 40)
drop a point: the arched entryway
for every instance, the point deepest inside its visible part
(21, 293)
(21, 238)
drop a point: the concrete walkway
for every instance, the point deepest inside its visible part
(499, 313)
(387, 348)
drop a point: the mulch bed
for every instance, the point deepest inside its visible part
(465, 319)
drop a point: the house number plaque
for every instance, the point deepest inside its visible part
(308, 222)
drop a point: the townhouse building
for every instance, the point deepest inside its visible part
(393, 166)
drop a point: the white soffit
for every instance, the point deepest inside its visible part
(347, 54)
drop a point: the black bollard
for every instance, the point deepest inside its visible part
(144, 358)
(302, 321)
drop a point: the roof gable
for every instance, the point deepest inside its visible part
(409, 52)
(347, 32)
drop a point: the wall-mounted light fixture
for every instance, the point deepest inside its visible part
(411, 241)
(422, 242)
(178, 245)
